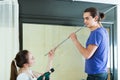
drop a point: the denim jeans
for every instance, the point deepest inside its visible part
(101, 76)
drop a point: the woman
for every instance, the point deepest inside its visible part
(24, 60)
(97, 45)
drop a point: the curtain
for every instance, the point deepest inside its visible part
(9, 43)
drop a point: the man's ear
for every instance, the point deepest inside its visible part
(96, 18)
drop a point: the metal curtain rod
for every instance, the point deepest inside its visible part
(79, 30)
(64, 40)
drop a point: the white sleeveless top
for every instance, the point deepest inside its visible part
(25, 76)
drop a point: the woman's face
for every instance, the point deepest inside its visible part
(89, 21)
(31, 59)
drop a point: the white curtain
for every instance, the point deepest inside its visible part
(9, 43)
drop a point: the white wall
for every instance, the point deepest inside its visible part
(102, 1)
(118, 16)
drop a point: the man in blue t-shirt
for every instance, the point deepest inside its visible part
(97, 45)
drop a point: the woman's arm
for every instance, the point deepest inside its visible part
(50, 59)
(49, 65)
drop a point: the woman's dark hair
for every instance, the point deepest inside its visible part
(94, 12)
(20, 59)
(13, 74)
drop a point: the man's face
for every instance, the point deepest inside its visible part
(89, 21)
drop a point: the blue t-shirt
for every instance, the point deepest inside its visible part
(98, 62)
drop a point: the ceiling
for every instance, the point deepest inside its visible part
(60, 11)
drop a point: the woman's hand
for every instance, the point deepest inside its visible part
(51, 54)
(37, 74)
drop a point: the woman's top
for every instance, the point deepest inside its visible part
(26, 76)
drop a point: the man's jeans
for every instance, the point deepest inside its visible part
(101, 76)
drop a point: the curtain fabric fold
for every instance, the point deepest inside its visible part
(9, 42)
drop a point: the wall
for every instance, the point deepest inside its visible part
(101, 1)
(118, 30)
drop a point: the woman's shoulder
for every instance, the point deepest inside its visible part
(23, 76)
